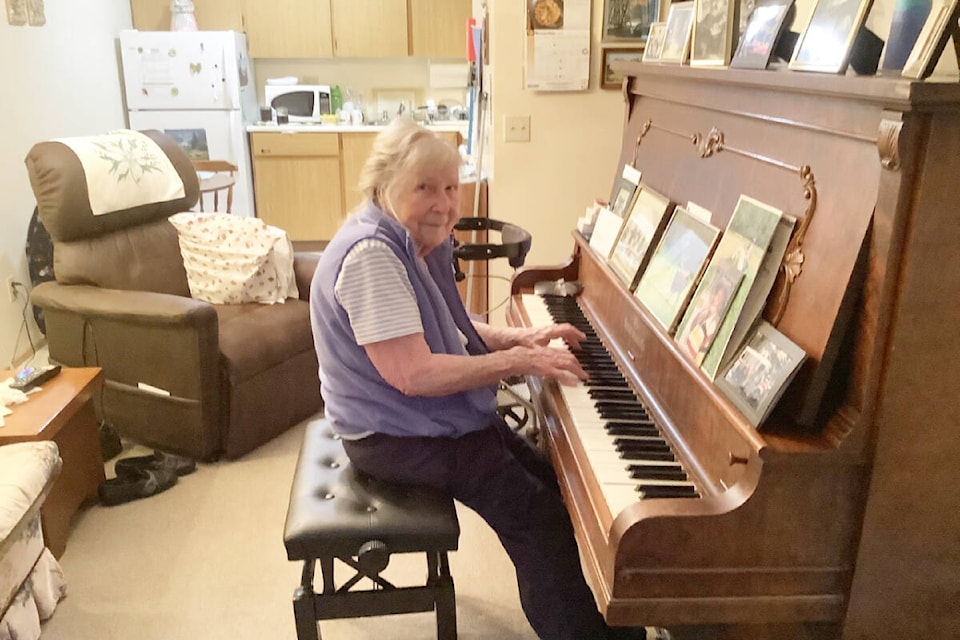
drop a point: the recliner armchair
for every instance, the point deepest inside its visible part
(182, 375)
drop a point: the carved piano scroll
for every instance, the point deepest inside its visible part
(792, 264)
(888, 144)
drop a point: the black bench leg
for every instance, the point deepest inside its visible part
(303, 611)
(446, 601)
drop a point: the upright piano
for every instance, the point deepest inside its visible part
(838, 518)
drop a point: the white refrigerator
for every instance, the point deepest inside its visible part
(198, 87)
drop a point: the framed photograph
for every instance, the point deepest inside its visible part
(760, 36)
(624, 188)
(826, 42)
(651, 53)
(610, 79)
(676, 266)
(713, 29)
(676, 40)
(629, 19)
(706, 312)
(938, 28)
(639, 233)
(761, 372)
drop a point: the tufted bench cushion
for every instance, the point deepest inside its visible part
(337, 512)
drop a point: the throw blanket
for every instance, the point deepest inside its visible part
(125, 169)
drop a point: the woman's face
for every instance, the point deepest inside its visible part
(428, 206)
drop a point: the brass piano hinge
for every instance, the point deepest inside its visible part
(888, 144)
(792, 264)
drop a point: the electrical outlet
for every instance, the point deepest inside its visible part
(516, 128)
(11, 289)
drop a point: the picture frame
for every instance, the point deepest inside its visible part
(759, 38)
(761, 372)
(629, 20)
(610, 79)
(675, 267)
(826, 42)
(676, 40)
(624, 189)
(640, 231)
(707, 311)
(651, 52)
(938, 28)
(711, 42)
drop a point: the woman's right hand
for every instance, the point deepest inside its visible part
(550, 362)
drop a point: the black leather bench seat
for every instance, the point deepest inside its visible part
(337, 512)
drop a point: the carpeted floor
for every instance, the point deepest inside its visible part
(205, 561)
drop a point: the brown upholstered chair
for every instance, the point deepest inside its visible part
(182, 375)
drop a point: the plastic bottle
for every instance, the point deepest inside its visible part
(336, 99)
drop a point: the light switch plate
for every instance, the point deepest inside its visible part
(516, 128)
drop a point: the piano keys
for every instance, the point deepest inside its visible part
(684, 513)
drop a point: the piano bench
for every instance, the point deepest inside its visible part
(339, 513)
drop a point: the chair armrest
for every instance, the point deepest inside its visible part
(304, 266)
(167, 341)
(132, 306)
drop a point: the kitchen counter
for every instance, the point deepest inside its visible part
(296, 127)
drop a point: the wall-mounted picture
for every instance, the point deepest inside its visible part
(629, 19)
(826, 42)
(546, 14)
(713, 29)
(610, 79)
(676, 41)
(761, 34)
(192, 141)
(651, 53)
(940, 26)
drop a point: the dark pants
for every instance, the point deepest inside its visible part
(513, 488)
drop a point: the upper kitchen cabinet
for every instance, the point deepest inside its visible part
(438, 28)
(369, 28)
(212, 15)
(292, 29)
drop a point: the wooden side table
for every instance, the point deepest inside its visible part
(62, 411)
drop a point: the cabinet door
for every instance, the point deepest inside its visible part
(355, 148)
(439, 28)
(212, 15)
(297, 183)
(369, 28)
(292, 29)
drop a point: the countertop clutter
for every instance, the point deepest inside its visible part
(459, 126)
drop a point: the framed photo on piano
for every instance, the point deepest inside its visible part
(676, 266)
(826, 43)
(760, 36)
(676, 40)
(761, 372)
(639, 234)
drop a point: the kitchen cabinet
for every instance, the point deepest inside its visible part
(297, 183)
(293, 29)
(438, 28)
(369, 28)
(212, 15)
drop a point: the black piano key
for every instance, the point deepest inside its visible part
(648, 491)
(656, 472)
(623, 429)
(640, 456)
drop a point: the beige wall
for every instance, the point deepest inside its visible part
(60, 79)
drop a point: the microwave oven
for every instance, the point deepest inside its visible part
(304, 102)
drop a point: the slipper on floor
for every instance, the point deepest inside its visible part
(139, 483)
(157, 461)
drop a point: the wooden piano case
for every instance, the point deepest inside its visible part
(838, 518)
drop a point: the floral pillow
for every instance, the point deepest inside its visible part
(232, 260)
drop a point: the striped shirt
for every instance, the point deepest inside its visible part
(376, 293)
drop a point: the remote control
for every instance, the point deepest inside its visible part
(29, 378)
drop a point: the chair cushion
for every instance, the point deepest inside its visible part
(245, 327)
(233, 260)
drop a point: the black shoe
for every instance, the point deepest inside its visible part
(639, 633)
(139, 483)
(158, 461)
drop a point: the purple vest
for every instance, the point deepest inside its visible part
(356, 398)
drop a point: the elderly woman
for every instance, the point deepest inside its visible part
(409, 381)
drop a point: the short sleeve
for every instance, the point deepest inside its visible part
(376, 293)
